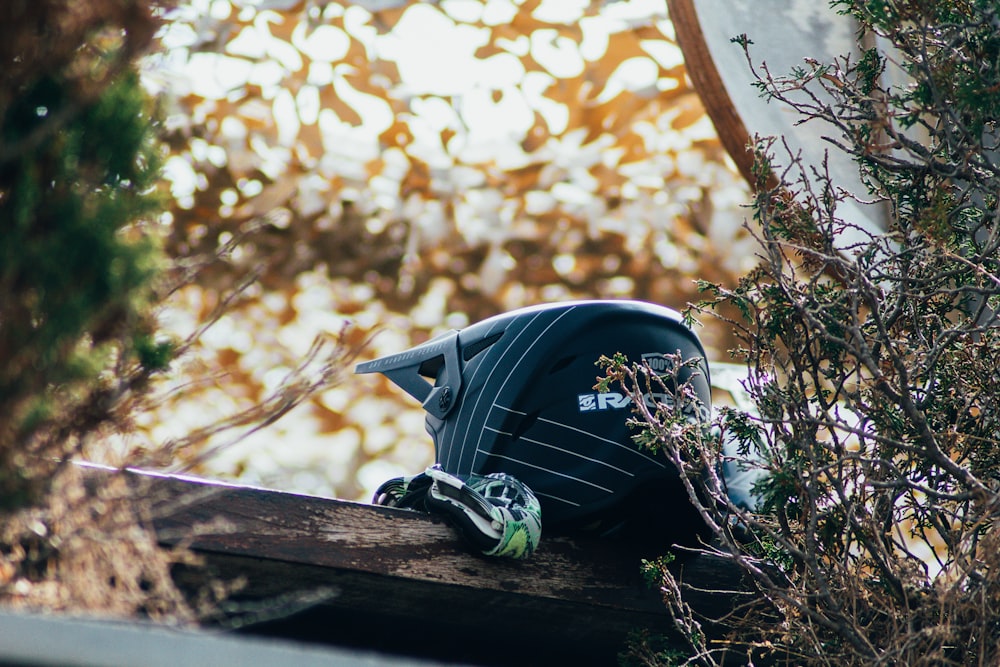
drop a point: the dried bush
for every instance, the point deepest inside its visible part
(872, 358)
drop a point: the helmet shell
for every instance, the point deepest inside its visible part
(515, 394)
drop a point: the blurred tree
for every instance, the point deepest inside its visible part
(79, 258)
(78, 175)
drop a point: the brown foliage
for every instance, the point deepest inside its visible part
(90, 549)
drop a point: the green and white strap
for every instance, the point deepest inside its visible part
(495, 513)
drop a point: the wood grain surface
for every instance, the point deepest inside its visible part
(357, 575)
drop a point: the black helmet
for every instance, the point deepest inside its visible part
(515, 394)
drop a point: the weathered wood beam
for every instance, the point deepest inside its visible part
(352, 574)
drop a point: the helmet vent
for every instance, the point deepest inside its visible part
(430, 367)
(475, 348)
(561, 364)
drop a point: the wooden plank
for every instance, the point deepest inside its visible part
(357, 575)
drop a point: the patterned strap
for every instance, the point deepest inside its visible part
(495, 513)
(498, 514)
(405, 492)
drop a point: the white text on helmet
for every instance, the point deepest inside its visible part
(613, 400)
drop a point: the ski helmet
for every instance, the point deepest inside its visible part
(515, 394)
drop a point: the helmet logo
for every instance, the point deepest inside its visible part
(659, 363)
(663, 366)
(611, 400)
